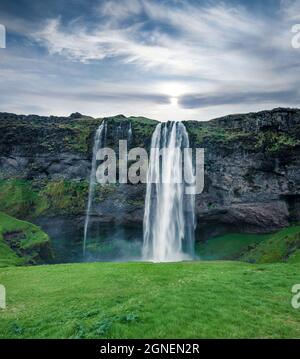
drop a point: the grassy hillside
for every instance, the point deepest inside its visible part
(282, 246)
(21, 242)
(143, 300)
(228, 246)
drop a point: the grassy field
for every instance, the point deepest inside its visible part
(144, 300)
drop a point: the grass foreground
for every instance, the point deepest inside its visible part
(145, 300)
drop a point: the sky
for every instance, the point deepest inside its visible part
(162, 59)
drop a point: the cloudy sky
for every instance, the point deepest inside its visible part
(168, 60)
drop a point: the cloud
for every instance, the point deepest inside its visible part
(218, 42)
(128, 54)
(290, 9)
(193, 101)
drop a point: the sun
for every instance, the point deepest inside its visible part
(174, 90)
(174, 101)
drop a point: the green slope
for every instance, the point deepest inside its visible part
(228, 246)
(282, 246)
(21, 242)
(144, 300)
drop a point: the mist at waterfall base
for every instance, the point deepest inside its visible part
(169, 219)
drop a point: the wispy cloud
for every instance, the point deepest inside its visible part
(218, 54)
(219, 42)
(193, 101)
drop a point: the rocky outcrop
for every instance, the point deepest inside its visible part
(22, 243)
(252, 170)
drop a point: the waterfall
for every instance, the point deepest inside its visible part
(99, 141)
(129, 133)
(169, 218)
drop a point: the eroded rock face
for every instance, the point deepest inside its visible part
(252, 168)
(252, 171)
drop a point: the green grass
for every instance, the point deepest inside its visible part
(26, 239)
(8, 257)
(228, 246)
(144, 300)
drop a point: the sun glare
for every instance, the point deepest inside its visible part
(174, 101)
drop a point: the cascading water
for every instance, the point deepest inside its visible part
(99, 141)
(169, 218)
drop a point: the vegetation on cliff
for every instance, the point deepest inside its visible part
(269, 132)
(251, 171)
(22, 242)
(29, 199)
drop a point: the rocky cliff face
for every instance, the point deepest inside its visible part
(252, 171)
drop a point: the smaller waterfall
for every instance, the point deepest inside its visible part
(169, 218)
(129, 133)
(99, 141)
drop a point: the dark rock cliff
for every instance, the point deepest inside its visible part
(252, 171)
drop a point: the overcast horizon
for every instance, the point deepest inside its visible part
(166, 60)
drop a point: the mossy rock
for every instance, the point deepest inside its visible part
(29, 199)
(22, 242)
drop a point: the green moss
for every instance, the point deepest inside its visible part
(29, 199)
(80, 133)
(17, 197)
(274, 142)
(20, 241)
(62, 197)
(143, 129)
(202, 134)
(270, 141)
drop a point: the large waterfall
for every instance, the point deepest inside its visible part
(169, 218)
(99, 142)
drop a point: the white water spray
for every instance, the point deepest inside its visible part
(169, 218)
(99, 141)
